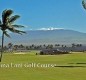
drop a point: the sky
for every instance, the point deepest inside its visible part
(41, 14)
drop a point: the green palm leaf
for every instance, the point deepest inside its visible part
(16, 31)
(5, 32)
(18, 26)
(5, 14)
(13, 18)
(84, 4)
(0, 22)
(19, 32)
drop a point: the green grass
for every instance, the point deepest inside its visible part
(43, 73)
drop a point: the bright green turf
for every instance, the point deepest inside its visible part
(51, 73)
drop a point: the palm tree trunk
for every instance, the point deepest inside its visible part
(2, 46)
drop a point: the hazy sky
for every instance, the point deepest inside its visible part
(36, 14)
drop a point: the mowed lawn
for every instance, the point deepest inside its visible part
(43, 73)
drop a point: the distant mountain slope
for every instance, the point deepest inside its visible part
(48, 37)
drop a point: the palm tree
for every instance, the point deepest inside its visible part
(7, 24)
(84, 4)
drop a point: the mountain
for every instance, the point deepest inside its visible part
(59, 36)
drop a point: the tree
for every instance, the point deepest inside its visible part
(21, 46)
(57, 45)
(84, 4)
(7, 24)
(73, 45)
(10, 45)
(15, 47)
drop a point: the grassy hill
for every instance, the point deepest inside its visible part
(43, 73)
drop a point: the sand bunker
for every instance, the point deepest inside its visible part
(20, 53)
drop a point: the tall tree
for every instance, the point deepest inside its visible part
(6, 23)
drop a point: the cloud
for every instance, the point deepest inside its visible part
(50, 28)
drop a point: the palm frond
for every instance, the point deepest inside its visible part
(22, 32)
(5, 14)
(1, 26)
(0, 22)
(84, 4)
(18, 26)
(13, 18)
(16, 31)
(6, 34)
(19, 32)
